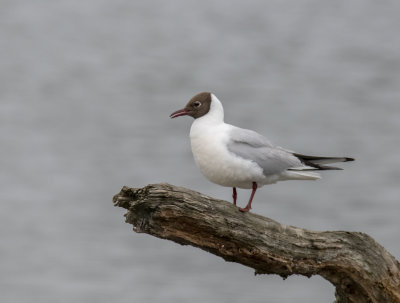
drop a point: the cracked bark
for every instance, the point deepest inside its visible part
(360, 269)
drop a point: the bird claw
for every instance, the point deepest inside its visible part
(244, 210)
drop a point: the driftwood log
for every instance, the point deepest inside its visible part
(360, 269)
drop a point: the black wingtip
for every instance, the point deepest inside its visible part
(347, 159)
(326, 167)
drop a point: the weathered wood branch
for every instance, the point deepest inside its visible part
(360, 269)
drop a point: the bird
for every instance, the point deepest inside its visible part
(241, 158)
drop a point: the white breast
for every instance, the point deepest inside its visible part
(208, 141)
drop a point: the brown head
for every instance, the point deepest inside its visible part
(197, 107)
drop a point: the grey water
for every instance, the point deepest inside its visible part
(86, 89)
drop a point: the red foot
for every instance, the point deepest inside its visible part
(248, 206)
(244, 210)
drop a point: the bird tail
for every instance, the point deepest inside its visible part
(317, 163)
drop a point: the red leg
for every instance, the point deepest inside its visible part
(248, 206)
(234, 195)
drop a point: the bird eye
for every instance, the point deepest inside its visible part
(197, 104)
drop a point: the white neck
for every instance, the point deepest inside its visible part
(214, 117)
(216, 112)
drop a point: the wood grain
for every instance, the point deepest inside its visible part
(360, 269)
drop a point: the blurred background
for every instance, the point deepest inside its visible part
(86, 89)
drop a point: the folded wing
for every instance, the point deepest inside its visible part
(252, 146)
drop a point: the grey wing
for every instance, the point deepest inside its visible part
(252, 146)
(249, 137)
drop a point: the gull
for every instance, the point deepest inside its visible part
(241, 158)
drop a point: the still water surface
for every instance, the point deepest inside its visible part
(86, 88)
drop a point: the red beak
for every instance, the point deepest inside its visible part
(181, 112)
